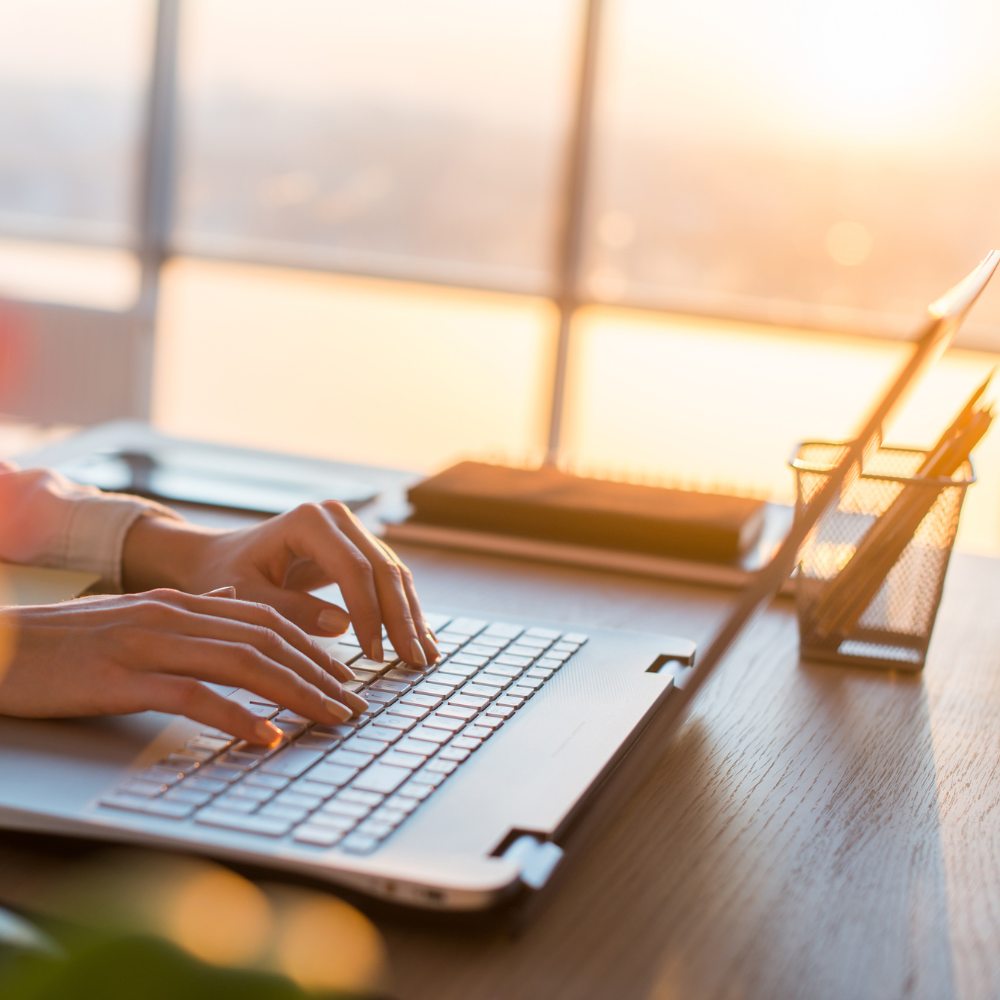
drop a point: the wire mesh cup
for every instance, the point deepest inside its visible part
(878, 609)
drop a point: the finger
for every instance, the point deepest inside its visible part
(317, 536)
(184, 696)
(251, 626)
(394, 601)
(265, 616)
(427, 637)
(221, 592)
(311, 614)
(239, 664)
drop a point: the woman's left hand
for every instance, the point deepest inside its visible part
(278, 561)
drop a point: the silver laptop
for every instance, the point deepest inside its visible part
(457, 789)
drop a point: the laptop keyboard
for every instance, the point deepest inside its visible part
(352, 785)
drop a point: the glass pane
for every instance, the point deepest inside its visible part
(353, 369)
(394, 135)
(99, 277)
(770, 158)
(706, 405)
(72, 83)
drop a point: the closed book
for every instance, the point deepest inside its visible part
(557, 506)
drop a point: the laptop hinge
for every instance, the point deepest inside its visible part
(536, 858)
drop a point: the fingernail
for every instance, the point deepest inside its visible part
(340, 712)
(355, 701)
(435, 652)
(417, 654)
(221, 592)
(377, 653)
(332, 621)
(343, 671)
(267, 733)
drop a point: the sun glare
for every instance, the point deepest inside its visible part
(873, 65)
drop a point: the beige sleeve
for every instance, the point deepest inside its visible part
(45, 520)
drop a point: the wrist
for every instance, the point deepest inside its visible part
(163, 552)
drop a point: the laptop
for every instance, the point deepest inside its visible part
(457, 789)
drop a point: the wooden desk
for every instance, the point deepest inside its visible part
(810, 832)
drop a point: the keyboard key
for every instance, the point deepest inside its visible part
(292, 761)
(517, 662)
(522, 690)
(407, 677)
(185, 763)
(427, 777)
(370, 799)
(340, 732)
(334, 775)
(361, 744)
(220, 773)
(400, 723)
(468, 701)
(358, 844)
(317, 836)
(190, 795)
(289, 814)
(543, 673)
(336, 807)
(510, 700)
(429, 734)
(416, 748)
(440, 765)
(264, 711)
(297, 800)
(209, 743)
(233, 802)
(408, 760)
(151, 807)
(377, 697)
(466, 742)
(259, 778)
(477, 732)
(531, 682)
(384, 734)
(451, 668)
(407, 710)
(421, 699)
(440, 721)
(454, 753)
(549, 662)
(393, 687)
(263, 825)
(488, 721)
(500, 711)
(244, 761)
(495, 681)
(202, 783)
(335, 821)
(316, 788)
(346, 758)
(292, 717)
(256, 793)
(491, 642)
(471, 657)
(453, 711)
(414, 789)
(375, 829)
(400, 803)
(474, 690)
(576, 637)
(534, 641)
(381, 778)
(434, 688)
(289, 729)
(505, 669)
(393, 817)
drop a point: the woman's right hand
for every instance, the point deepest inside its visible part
(152, 651)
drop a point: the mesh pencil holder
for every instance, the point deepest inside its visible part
(877, 610)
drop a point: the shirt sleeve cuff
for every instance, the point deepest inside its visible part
(96, 533)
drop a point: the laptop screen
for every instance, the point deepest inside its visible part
(944, 317)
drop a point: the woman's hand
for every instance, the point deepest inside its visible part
(114, 655)
(278, 561)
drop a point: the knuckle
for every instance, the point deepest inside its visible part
(189, 693)
(310, 513)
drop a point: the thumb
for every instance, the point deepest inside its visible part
(311, 614)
